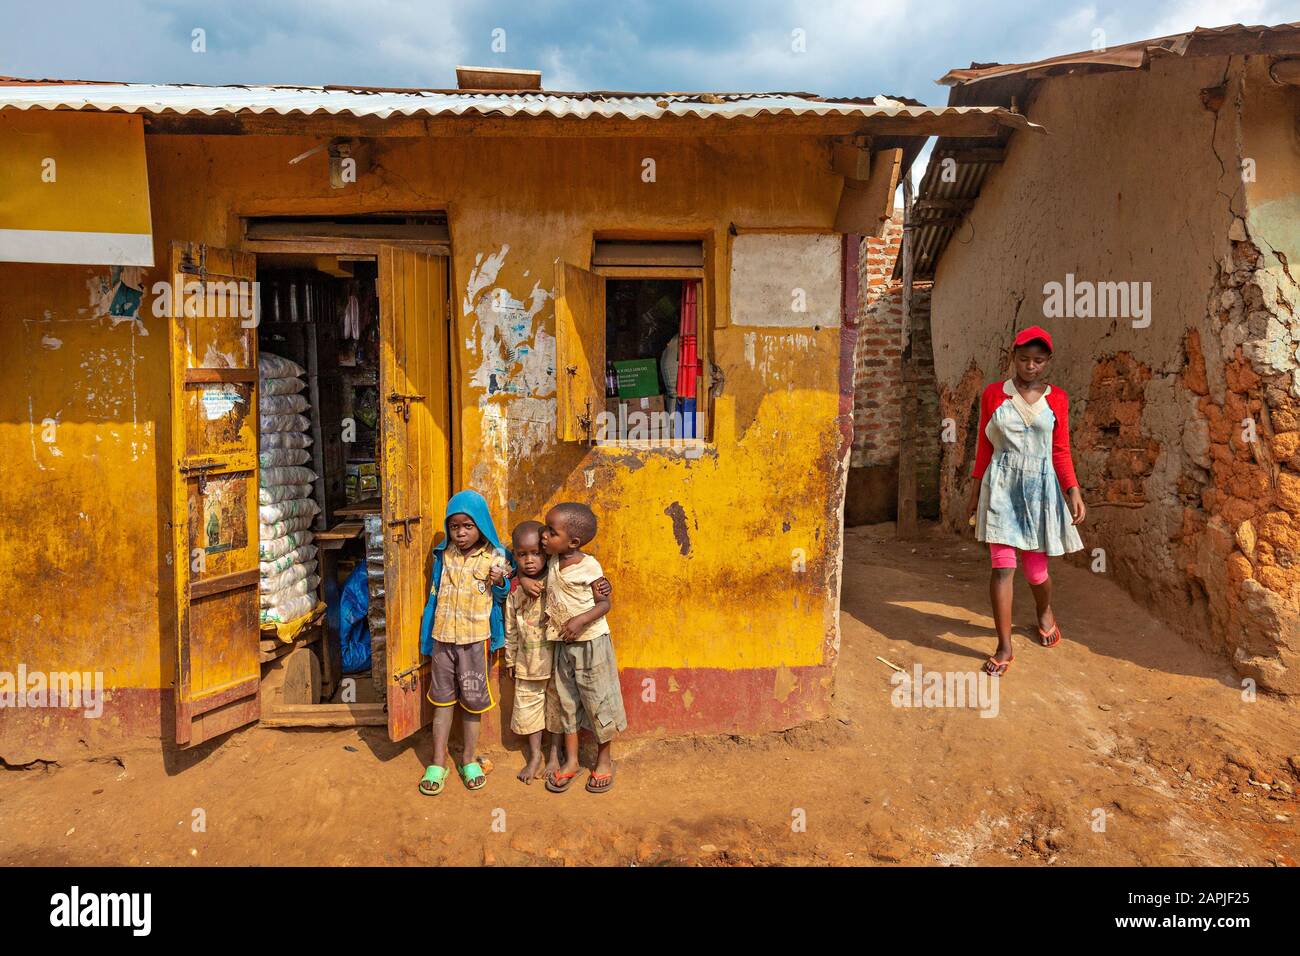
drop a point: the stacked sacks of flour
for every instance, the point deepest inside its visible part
(285, 506)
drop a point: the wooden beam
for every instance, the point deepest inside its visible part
(851, 161)
(963, 125)
(492, 78)
(269, 650)
(976, 154)
(326, 715)
(866, 205)
(616, 252)
(353, 247)
(324, 230)
(905, 525)
(647, 272)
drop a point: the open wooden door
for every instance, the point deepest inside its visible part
(579, 351)
(213, 345)
(415, 443)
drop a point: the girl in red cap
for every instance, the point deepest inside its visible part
(1026, 500)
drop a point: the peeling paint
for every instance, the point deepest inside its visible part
(516, 376)
(482, 275)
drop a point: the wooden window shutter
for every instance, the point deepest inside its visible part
(579, 351)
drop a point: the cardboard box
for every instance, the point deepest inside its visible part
(637, 378)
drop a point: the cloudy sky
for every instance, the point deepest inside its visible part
(850, 47)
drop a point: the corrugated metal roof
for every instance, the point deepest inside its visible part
(184, 99)
(941, 206)
(1135, 56)
(935, 227)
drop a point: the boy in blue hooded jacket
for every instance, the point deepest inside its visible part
(463, 623)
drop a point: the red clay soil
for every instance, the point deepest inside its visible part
(1122, 722)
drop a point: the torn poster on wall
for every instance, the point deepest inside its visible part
(517, 359)
(117, 296)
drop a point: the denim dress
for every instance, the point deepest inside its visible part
(1021, 502)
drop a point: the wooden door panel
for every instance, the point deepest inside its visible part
(213, 348)
(415, 448)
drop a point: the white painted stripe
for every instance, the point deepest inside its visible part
(76, 248)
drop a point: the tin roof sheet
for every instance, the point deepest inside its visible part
(1136, 55)
(186, 99)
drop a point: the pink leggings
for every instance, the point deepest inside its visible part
(1034, 563)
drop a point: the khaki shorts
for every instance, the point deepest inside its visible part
(459, 675)
(529, 715)
(584, 690)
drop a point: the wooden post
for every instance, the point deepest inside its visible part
(905, 526)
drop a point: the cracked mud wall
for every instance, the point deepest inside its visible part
(1140, 180)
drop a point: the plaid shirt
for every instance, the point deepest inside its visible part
(527, 649)
(464, 597)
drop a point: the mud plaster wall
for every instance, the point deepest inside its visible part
(1139, 180)
(726, 566)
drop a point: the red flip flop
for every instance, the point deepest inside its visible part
(1050, 638)
(600, 776)
(559, 782)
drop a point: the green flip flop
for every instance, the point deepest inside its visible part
(436, 778)
(473, 771)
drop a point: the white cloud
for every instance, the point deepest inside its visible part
(852, 47)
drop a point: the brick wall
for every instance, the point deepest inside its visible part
(877, 362)
(878, 388)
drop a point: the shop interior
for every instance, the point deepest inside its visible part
(320, 482)
(652, 357)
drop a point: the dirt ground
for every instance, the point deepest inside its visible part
(1123, 745)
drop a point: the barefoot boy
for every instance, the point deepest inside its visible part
(462, 623)
(584, 688)
(528, 652)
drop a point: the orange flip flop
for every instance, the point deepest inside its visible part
(996, 668)
(1050, 638)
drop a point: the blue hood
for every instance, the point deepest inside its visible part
(473, 504)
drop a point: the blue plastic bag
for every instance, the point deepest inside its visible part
(354, 631)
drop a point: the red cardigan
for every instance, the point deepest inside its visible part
(1059, 403)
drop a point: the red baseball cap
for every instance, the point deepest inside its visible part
(1025, 336)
